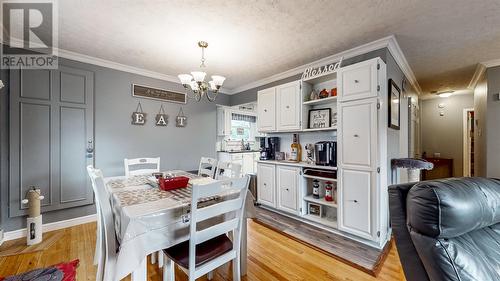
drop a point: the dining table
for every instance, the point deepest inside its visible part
(148, 219)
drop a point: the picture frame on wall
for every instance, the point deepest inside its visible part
(394, 105)
(320, 118)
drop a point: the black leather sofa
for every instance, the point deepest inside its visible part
(447, 229)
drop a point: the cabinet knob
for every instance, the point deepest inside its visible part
(265, 110)
(356, 135)
(287, 107)
(265, 184)
(355, 201)
(356, 81)
(286, 189)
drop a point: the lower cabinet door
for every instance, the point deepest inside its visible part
(356, 207)
(265, 184)
(248, 164)
(287, 181)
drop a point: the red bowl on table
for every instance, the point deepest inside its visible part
(173, 183)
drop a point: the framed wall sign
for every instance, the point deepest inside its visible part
(138, 116)
(140, 91)
(161, 118)
(320, 118)
(394, 105)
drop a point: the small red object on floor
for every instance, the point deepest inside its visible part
(173, 183)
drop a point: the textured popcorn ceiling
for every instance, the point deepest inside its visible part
(250, 40)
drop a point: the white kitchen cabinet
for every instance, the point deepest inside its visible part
(266, 184)
(355, 194)
(358, 134)
(247, 161)
(287, 181)
(359, 81)
(266, 108)
(280, 108)
(223, 121)
(288, 103)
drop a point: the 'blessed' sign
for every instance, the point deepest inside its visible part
(311, 72)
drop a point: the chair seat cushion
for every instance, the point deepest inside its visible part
(205, 251)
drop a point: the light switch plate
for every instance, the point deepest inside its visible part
(496, 97)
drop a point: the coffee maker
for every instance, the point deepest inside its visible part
(265, 153)
(274, 146)
(269, 147)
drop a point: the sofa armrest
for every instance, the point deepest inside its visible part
(413, 268)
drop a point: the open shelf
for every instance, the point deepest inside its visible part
(321, 101)
(320, 201)
(321, 220)
(320, 129)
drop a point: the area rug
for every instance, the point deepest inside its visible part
(353, 253)
(65, 271)
(19, 247)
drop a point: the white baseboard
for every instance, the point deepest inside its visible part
(20, 233)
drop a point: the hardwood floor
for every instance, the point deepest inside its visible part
(271, 256)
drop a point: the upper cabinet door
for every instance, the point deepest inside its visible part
(359, 81)
(288, 106)
(266, 106)
(358, 134)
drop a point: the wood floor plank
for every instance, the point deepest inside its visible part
(271, 256)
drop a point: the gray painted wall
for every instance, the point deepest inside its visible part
(444, 134)
(251, 94)
(492, 124)
(116, 138)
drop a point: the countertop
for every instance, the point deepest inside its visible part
(297, 164)
(239, 151)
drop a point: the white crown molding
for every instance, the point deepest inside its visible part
(115, 65)
(20, 233)
(61, 53)
(478, 73)
(491, 63)
(389, 42)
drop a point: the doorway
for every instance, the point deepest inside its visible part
(468, 142)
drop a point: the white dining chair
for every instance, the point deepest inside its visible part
(153, 163)
(227, 170)
(108, 247)
(210, 247)
(207, 167)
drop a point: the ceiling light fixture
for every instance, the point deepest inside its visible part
(445, 94)
(196, 80)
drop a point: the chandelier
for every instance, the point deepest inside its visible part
(196, 80)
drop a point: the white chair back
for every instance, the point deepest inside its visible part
(129, 163)
(108, 256)
(207, 167)
(229, 223)
(227, 170)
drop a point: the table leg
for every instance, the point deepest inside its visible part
(141, 272)
(243, 251)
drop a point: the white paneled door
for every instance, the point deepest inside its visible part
(356, 211)
(287, 183)
(265, 184)
(289, 106)
(266, 100)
